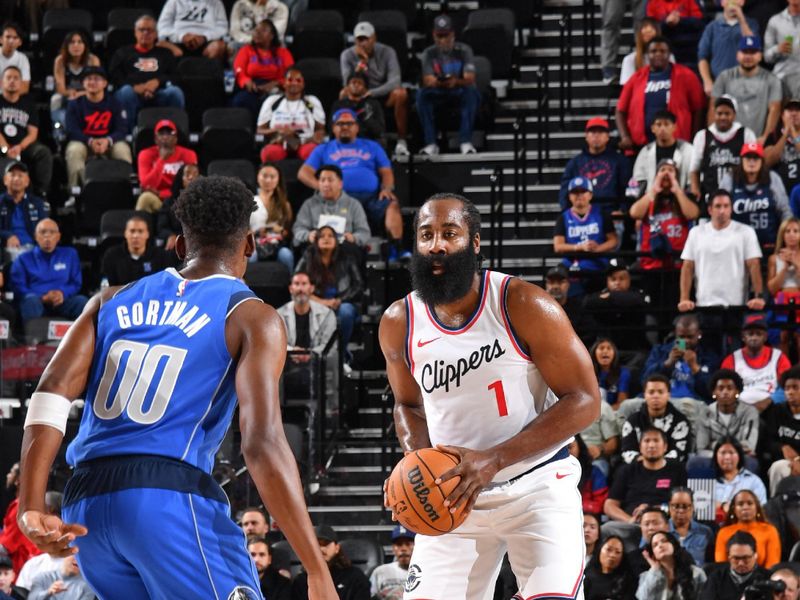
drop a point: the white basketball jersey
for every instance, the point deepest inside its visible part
(758, 383)
(478, 384)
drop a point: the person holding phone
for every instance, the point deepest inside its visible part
(781, 48)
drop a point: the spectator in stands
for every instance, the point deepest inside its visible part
(602, 439)
(247, 14)
(583, 228)
(672, 571)
(659, 86)
(791, 583)
(717, 148)
(782, 280)
(759, 365)
(68, 67)
(718, 257)
(728, 580)
(367, 176)
(194, 28)
(96, 126)
(387, 581)
(645, 31)
(378, 63)
(168, 227)
(47, 279)
(591, 533)
(644, 482)
(254, 523)
(260, 66)
(745, 514)
(557, 284)
(783, 46)
(606, 169)
(694, 537)
(33, 566)
(783, 432)
(19, 124)
(273, 584)
(448, 77)
(356, 97)
(665, 146)
(720, 41)
(334, 271)
(732, 475)
(142, 73)
(309, 325)
(271, 222)
(10, 56)
(134, 257)
(330, 205)
(292, 123)
(350, 581)
(684, 360)
(608, 574)
(593, 484)
(782, 149)
(657, 412)
(20, 212)
(17, 547)
(613, 378)
(727, 417)
(158, 165)
(681, 23)
(759, 198)
(7, 577)
(66, 583)
(758, 93)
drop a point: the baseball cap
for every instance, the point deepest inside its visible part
(344, 111)
(400, 532)
(793, 103)
(94, 71)
(666, 161)
(5, 562)
(597, 123)
(17, 165)
(750, 43)
(325, 532)
(580, 183)
(165, 124)
(442, 24)
(752, 148)
(364, 29)
(726, 100)
(557, 272)
(755, 320)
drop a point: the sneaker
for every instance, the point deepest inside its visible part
(347, 369)
(401, 148)
(430, 150)
(404, 256)
(468, 148)
(610, 76)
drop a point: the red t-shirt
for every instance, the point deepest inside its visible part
(253, 63)
(157, 174)
(20, 548)
(659, 9)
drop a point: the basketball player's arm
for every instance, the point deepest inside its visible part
(564, 363)
(409, 412)
(257, 338)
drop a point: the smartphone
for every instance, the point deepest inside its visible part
(680, 343)
(789, 38)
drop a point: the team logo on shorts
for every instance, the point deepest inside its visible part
(414, 578)
(241, 592)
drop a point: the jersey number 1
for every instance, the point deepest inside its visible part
(500, 396)
(137, 379)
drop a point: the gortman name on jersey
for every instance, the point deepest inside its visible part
(440, 374)
(163, 313)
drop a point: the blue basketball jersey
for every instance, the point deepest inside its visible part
(755, 206)
(162, 379)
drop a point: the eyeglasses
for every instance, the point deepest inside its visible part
(48, 231)
(742, 558)
(680, 506)
(344, 123)
(146, 29)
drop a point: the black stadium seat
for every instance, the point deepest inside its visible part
(490, 33)
(407, 7)
(391, 29)
(318, 33)
(121, 22)
(57, 23)
(235, 167)
(146, 119)
(365, 554)
(270, 281)
(112, 223)
(227, 133)
(202, 82)
(107, 187)
(323, 79)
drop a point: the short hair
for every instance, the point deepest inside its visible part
(653, 429)
(728, 374)
(215, 210)
(144, 17)
(470, 212)
(786, 572)
(664, 115)
(719, 192)
(741, 538)
(332, 168)
(254, 509)
(659, 39)
(257, 539)
(300, 272)
(652, 508)
(296, 69)
(657, 377)
(687, 320)
(682, 489)
(138, 217)
(16, 68)
(16, 27)
(791, 373)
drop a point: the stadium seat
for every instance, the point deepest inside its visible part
(407, 7)
(491, 34)
(227, 133)
(112, 223)
(121, 23)
(37, 330)
(284, 549)
(391, 29)
(318, 33)
(143, 135)
(233, 167)
(270, 281)
(202, 82)
(57, 23)
(524, 10)
(363, 553)
(107, 187)
(323, 79)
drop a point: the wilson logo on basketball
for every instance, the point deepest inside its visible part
(438, 374)
(421, 491)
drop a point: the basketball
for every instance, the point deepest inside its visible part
(416, 500)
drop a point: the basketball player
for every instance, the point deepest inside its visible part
(488, 368)
(163, 361)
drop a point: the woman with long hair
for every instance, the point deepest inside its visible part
(613, 378)
(591, 533)
(648, 29)
(672, 574)
(271, 222)
(746, 514)
(783, 280)
(608, 574)
(758, 194)
(731, 475)
(68, 66)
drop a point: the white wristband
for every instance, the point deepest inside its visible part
(49, 409)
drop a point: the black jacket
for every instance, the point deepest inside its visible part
(350, 583)
(721, 586)
(275, 586)
(119, 267)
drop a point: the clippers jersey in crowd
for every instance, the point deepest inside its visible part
(755, 206)
(478, 384)
(162, 380)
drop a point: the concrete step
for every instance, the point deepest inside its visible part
(327, 489)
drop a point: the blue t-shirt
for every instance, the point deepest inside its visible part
(18, 225)
(359, 161)
(656, 97)
(794, 200)
(622, 385)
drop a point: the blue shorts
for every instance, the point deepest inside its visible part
(158, 528)
(374, 207)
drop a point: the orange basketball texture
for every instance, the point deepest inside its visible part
(418, 503)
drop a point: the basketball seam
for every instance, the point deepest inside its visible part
(441, 491)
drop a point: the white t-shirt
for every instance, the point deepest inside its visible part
(301, 115)
(19, 60)
(387, 581)
(719, 257)
(35, 565)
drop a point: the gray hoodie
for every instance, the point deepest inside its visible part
(345, 206)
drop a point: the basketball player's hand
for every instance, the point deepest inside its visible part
(475, 468)
(49, 533)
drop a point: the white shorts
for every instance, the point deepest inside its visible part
(536, 519)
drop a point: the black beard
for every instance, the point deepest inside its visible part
(454, 282)
(345, 139)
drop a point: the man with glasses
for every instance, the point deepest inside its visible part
(158, 165)
(694, 537)
(142, 71)
(729, 580)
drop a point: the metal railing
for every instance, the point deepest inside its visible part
(542, 121)
(589, 33)
(520, 160)
(565, 67)
(496, 187)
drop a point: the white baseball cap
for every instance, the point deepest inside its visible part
(364, 29)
